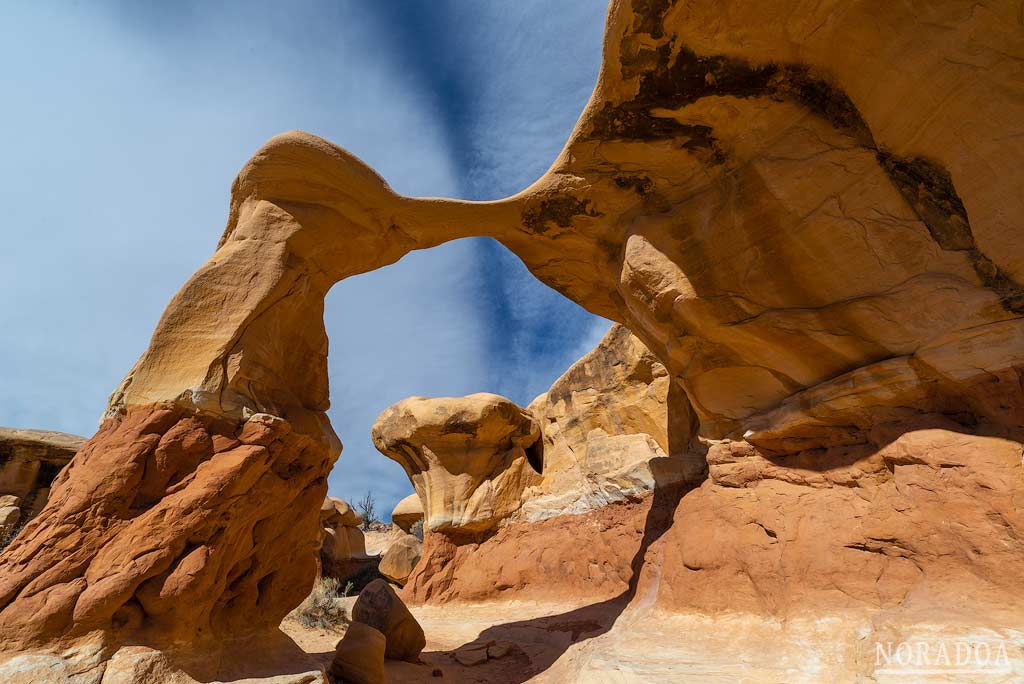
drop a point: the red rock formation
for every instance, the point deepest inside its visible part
(808, 214)
(169, 526)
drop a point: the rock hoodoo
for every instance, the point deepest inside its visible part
(466, 457)
(821, 250)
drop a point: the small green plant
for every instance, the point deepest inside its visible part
(319, 610)
(349, 588)
(417, 530)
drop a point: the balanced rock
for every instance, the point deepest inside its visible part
(401, 558)
(379, 607)
(407, 512)
(466, 457)
(359, 656)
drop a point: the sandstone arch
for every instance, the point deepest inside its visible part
(811, 243)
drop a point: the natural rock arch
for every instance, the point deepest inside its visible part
(808, 250)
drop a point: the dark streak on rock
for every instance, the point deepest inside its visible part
(674, 83)
(649, 15)
(457, 426)
(928, 189)
(559, 210)
(641, 185)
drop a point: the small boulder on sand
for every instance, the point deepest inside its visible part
(359, 656)
(401, 558)
(379, 607)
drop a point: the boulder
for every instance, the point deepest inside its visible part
(473, 654)
(407, 512)
(401, 558)
(479, 652)
(466, 457)
(10, 516)
(343, 546)
(379, 607)
(359, 656)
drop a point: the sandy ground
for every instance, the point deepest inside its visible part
(602, 644)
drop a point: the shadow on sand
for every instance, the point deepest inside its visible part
(551, 636)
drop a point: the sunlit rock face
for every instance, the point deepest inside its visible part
(407, 513)
(808, 215)
(467, 457)
(615, 426)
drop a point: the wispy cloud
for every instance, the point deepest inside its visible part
(127, 122)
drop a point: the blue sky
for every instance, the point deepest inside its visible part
(125, 123)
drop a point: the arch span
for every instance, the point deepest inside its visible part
(807, 259)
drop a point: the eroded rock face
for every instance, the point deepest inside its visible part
(169, 526)
(923, 520)
(466, 457)
(614, 427)
(29, 462)
(343, 547)
(815, 244)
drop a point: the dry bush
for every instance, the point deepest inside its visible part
(319, 610)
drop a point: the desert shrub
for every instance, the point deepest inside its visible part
(366, 508)
(319, 610)
(417, 530)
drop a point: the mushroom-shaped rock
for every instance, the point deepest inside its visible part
(466, 457)
(401, 558)
(379, 607)
(337, 513)
(407, 512)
